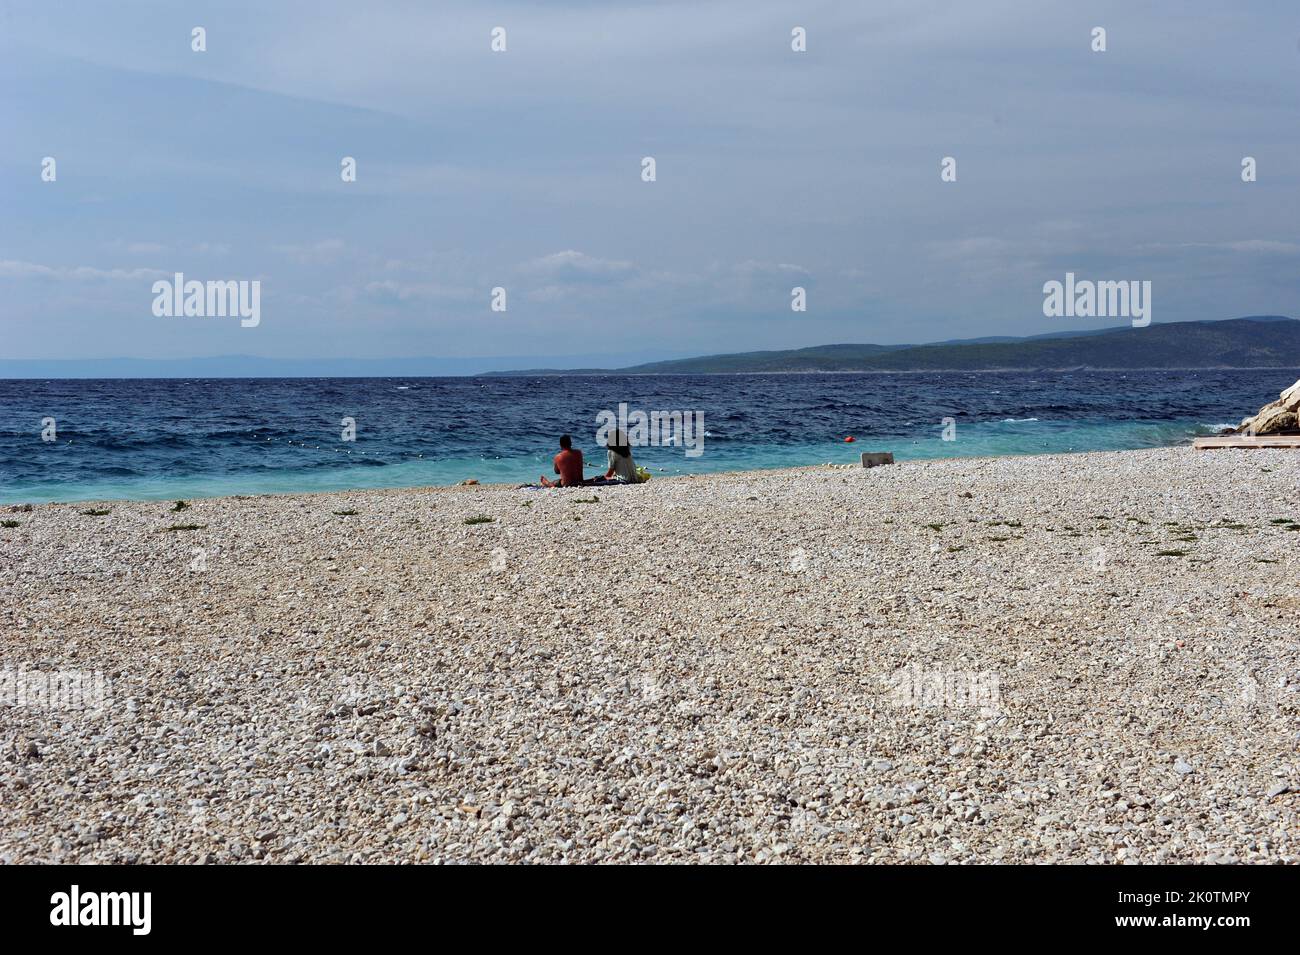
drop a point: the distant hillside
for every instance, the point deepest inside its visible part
(1261, 341)
(253, 366)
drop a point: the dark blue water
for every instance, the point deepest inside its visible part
(177, 438)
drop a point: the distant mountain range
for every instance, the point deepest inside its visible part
(1257, 341)
(252, 366)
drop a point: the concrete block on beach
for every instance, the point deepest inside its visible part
(873, 459)
(1247, 441)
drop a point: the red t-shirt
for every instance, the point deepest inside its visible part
(568, 465)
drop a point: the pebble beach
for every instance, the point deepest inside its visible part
(1083, 658)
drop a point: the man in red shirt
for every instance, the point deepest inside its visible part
(568, 465)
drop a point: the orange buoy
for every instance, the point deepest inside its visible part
(850, 439)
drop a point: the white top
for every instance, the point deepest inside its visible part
(624, 467)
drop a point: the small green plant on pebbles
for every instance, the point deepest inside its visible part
(479, 520)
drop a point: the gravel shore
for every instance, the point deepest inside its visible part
(1075, 658)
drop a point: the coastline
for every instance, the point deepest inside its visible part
(472, 484)
(700, 668)
(615, 373)
(209, 486)
(145, 440)
(1009, 369)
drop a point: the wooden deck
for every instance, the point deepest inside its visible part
(1241, 441)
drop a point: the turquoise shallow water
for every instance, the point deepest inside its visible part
(166, 438)
(976, 441)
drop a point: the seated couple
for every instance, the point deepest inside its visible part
(568, 465)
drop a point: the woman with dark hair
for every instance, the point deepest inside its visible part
(621, 466)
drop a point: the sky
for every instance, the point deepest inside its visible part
(522, 169)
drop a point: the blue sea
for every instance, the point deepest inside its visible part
(157, 438)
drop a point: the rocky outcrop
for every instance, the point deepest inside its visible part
(1278, 417)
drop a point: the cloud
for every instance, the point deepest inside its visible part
(323, 252)
(11, 268)
(983, 246)
(1248, 246)
(573, 275)
(138, 248)
(389, 292)
(751, 267)
(573, 266)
